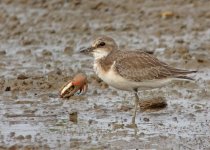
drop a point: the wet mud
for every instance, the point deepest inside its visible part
(39, 44)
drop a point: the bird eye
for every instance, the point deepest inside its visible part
(102, 44)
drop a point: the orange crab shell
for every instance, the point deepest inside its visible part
(78, 83)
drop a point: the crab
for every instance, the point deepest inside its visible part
(78, 85)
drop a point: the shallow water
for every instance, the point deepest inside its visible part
(34, 36)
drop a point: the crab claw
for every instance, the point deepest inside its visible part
(77, 85)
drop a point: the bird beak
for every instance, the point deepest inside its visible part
(87, 50)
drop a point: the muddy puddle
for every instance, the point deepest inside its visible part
(38, 51)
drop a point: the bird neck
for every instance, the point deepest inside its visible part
(105, 62)
(99, 54)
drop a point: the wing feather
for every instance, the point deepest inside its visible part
(141, 66)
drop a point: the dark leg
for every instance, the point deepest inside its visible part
(136, 106)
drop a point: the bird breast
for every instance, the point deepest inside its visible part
(111, 77)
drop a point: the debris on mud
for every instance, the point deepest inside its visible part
(117, 126)
(73, 116)
(125, 108)
(153, 104)
(22, 77)
(38, 45)
(167, 14)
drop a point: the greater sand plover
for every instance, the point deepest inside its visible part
(131, 70)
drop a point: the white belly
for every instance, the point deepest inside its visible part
(116, 81)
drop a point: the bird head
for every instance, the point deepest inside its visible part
(101, 47)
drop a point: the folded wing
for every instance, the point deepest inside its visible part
(142, 66)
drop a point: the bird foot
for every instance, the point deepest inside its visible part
(133, 123)
(132, 126)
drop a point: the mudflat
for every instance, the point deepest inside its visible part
(39, 41)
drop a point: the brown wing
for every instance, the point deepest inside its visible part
(142, 66)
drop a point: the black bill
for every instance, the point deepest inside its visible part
(87, 50)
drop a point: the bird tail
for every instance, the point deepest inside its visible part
(181, 73)
(185, 78)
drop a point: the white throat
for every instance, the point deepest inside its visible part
(98, 54)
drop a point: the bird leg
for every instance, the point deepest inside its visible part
(136, 105)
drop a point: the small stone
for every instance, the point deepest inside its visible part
(76, 2)
(46, 53)
(95, 92)
(104, 85)
(200, 60)
(154, 104)
(167, 14)
(28, 136)
(13, 147)
(124, 108)
(90, 121)
(22, 77)
(98, 6)
(180, 41)
(68, 50)
(118, 126)
(73, 116)
(182, 50)
(174, 118)
(198, 107)
(26, 41)
(12, 134)
(115, 93)
(8, 88)
(48, 66)
(146, 119)
(20, 137)
(2, 53)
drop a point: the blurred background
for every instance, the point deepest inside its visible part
(39, 41)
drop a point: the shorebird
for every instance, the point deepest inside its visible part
(131, 70)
